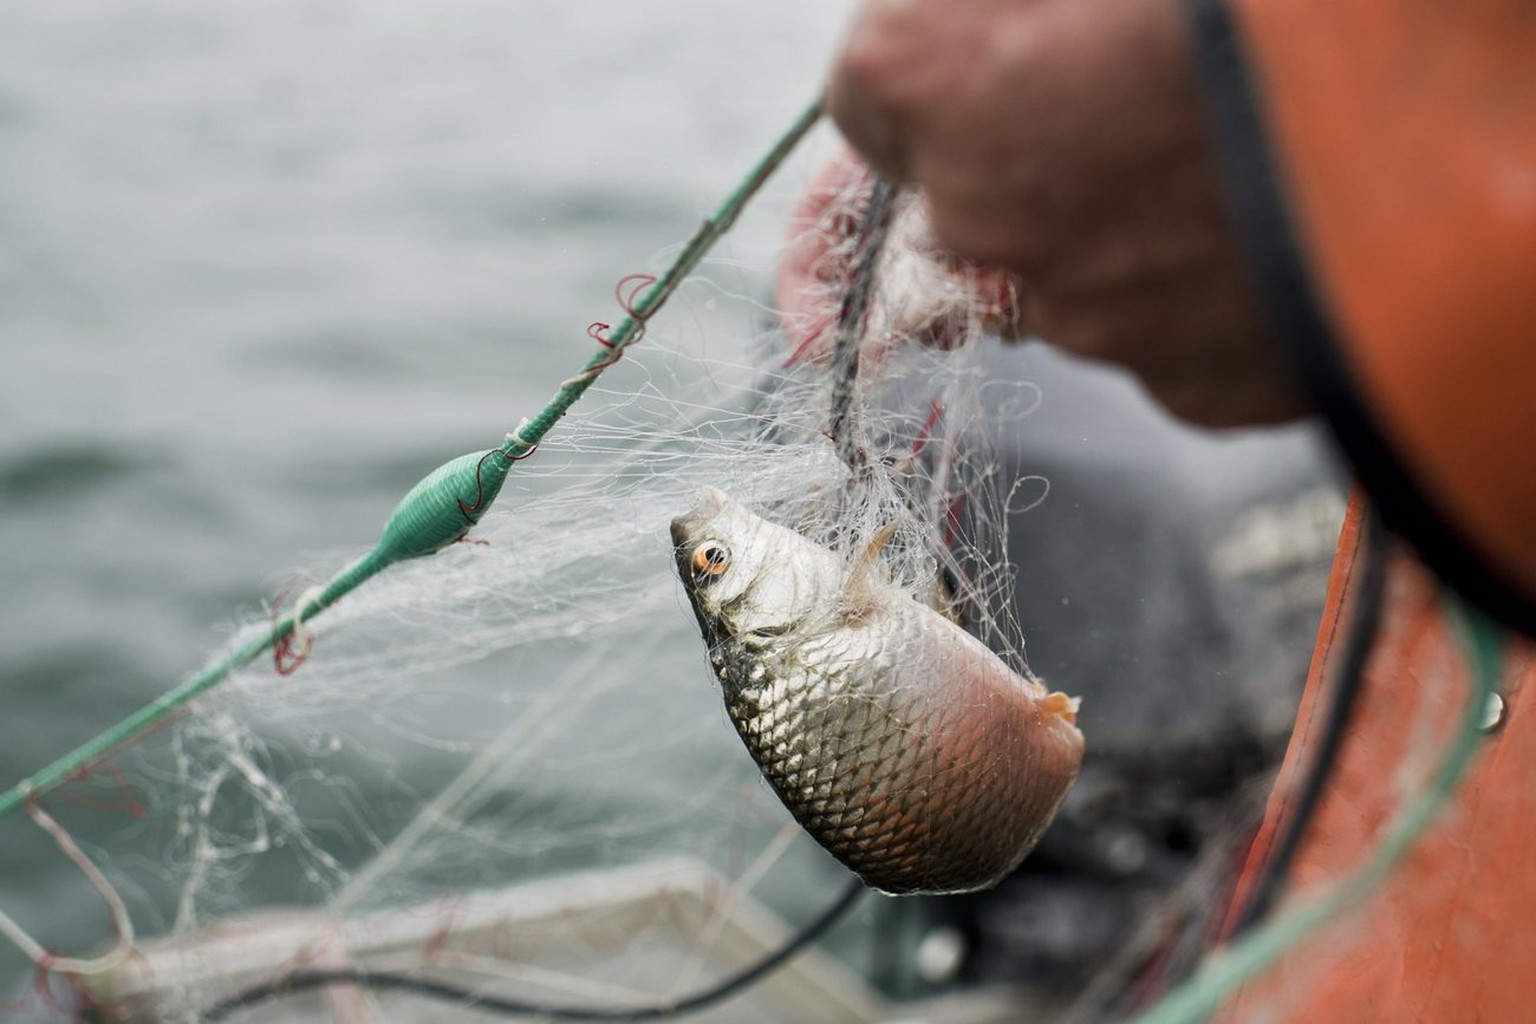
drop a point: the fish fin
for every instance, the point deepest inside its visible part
(861, 574)
(1059, 705)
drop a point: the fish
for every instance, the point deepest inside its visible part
(901, 743)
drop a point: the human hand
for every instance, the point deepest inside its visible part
(1063, 140)
(923, 292)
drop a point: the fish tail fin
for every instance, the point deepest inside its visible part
(1061, 706)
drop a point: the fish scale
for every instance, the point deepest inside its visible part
(903, 745)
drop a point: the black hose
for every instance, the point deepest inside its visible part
(1362, 635)
(429, 988)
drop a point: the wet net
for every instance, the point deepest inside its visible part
(515, 692)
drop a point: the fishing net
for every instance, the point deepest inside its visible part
(507, 763)
(533, 702)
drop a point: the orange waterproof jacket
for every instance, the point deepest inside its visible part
(1450, 937)
(1381, 157)
(1381, 160)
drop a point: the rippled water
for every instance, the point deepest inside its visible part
(264, 263)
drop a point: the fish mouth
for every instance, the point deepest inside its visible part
(688, 530)
(681, 532)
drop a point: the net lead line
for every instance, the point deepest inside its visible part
(430, 988)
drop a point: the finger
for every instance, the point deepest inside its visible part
(870, 130)
(866, 80)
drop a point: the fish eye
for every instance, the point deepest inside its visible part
(710, 559)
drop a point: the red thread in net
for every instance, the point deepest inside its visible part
(39, 994)
(598, 332)
(817, 332)
(285, 658)
(626, 293)
(637, 283)
(287, 651)
(925, 432)
(438, 941)
(952, 520)
(126, 803)
(468, 511)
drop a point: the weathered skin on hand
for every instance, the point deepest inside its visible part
(1064, 140)
(899, 741)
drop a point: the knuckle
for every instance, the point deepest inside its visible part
(872, 64)
(1075, 328)
(968, 231)
(874, 94)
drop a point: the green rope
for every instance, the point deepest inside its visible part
(1229, 968)
(444, 505)
(523, 440)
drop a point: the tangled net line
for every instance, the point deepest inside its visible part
(788, 455)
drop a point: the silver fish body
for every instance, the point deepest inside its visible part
(904, 746)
